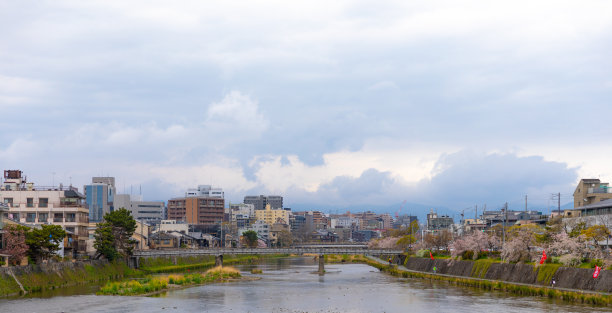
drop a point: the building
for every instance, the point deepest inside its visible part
(37, 205)
(600, 208)
(437, 223)
(271, 216)
(404, 221)
(100, 197)
(205, 191)
(260, 202)
(151, 212)
(172, 225)
(510, 217)
(241, 215)
(198, 209)
(591, 191)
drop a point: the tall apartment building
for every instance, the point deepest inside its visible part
(437, 223)
(591, 191)
(271, 216)
(37, 205)
(204, 208)
(151, 212)
(260, 202)
(100, 197)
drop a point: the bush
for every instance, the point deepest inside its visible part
(423, 253)
(596, 262)
(570, 260)
(467, 255)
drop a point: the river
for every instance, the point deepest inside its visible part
(291, 285)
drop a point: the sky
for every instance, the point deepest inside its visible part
(330, 104)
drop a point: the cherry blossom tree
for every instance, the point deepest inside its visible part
(15, 243)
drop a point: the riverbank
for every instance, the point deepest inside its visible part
(520, 289)
(35, 278)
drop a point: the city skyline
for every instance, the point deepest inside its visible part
(330, 104)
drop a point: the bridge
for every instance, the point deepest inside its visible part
(320, 250)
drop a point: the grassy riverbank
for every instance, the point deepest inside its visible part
(152, 285)
(515, 289)
(62, 275)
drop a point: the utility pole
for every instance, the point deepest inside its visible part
(558, 197)
(505, 214)
(525, 203)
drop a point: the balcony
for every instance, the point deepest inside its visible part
(603, 189)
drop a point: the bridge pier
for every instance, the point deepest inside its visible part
(219, 260)
(133, 262)
(321, 264)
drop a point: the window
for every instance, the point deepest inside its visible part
(58, 217)
(14, 216)
(43, 202)
(70, 217)
(30, 217)
(43, 217)
(8, 201)
(30, 202)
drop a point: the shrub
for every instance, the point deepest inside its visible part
(596, 262)
(467, 255)
(570, 260)
(423, 253)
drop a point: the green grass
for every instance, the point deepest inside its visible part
(520, 290)
(480, 267)
(546, 272)
(156, 284)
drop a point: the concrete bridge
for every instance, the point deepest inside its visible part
(320, 250)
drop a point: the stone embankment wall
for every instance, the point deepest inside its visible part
(574, 278)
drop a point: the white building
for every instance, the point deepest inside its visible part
(205, 191)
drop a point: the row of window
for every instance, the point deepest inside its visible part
(42, 202)
(42, 217)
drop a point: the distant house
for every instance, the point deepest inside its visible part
(162, 240)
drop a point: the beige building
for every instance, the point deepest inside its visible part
(271, 216)
(591, 191)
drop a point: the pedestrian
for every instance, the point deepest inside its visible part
(553, 282)
(434, 269)
(389, 261)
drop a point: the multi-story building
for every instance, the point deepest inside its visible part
(591, 191)
(100, 197)
(151, 212)
(36, 205)
(404, 221)
(271, 216)
(205, 191)
(437, 223)
(260, 202)
(241, 214)
(197, 209)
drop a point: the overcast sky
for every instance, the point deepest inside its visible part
(330, 103)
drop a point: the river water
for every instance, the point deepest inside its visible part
(291, 285)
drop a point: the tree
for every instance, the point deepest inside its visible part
(44, 241)
(250, 238)
(16, 246)
(113, 235)
(596, 233)
(475, 242)
(285, 239)
(518, 248)
(405, 242)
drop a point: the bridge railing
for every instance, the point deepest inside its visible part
(230, 251)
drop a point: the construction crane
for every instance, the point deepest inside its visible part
(400, 209)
